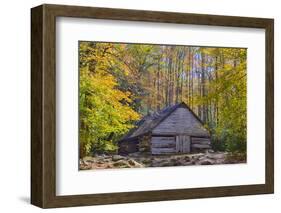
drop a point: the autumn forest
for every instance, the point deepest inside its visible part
(121, 83)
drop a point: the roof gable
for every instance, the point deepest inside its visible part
(181, 121)
(148, 123)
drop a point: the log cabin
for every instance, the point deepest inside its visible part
(172, 130)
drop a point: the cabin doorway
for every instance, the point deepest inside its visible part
(183, 143)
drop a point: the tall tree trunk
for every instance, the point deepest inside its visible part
(181, 78)
(177, 70)
(158, 85)
(216, 101)
(203, 90)
(171, 86)
(191, 74)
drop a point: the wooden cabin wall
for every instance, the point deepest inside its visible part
(163, 145)
(145, 143)
(178, 144)
(126, 147)
(181, 121)
(200, 144)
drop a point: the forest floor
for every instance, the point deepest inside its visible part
(138, 160)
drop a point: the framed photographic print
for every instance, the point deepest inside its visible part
(136, 106)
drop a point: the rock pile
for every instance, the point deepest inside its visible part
(140, 160)
(107, 161)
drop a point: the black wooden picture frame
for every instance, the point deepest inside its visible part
(43, 105)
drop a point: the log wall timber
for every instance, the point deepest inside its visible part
(159, 151)
(181, 121)
(200, 143)
(201, 146)
(163, 145)
(201, 140)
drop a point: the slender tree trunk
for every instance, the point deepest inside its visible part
(158, 86)
(216, 103)
(177, 70)
(187, 74)
(181, 79)
(191, 72)
(203, 90)
(171, 86)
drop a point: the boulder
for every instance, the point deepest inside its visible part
(88, 159)
(147, 161)
(187, 158)
(135, 164)
(216, 155)
(166, 163)
(187, 163)
(135, 154)
(132, 162)
(120, 163)
(117, 157)
(206, 162)
(180, 163)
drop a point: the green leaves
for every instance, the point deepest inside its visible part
(229, 91)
